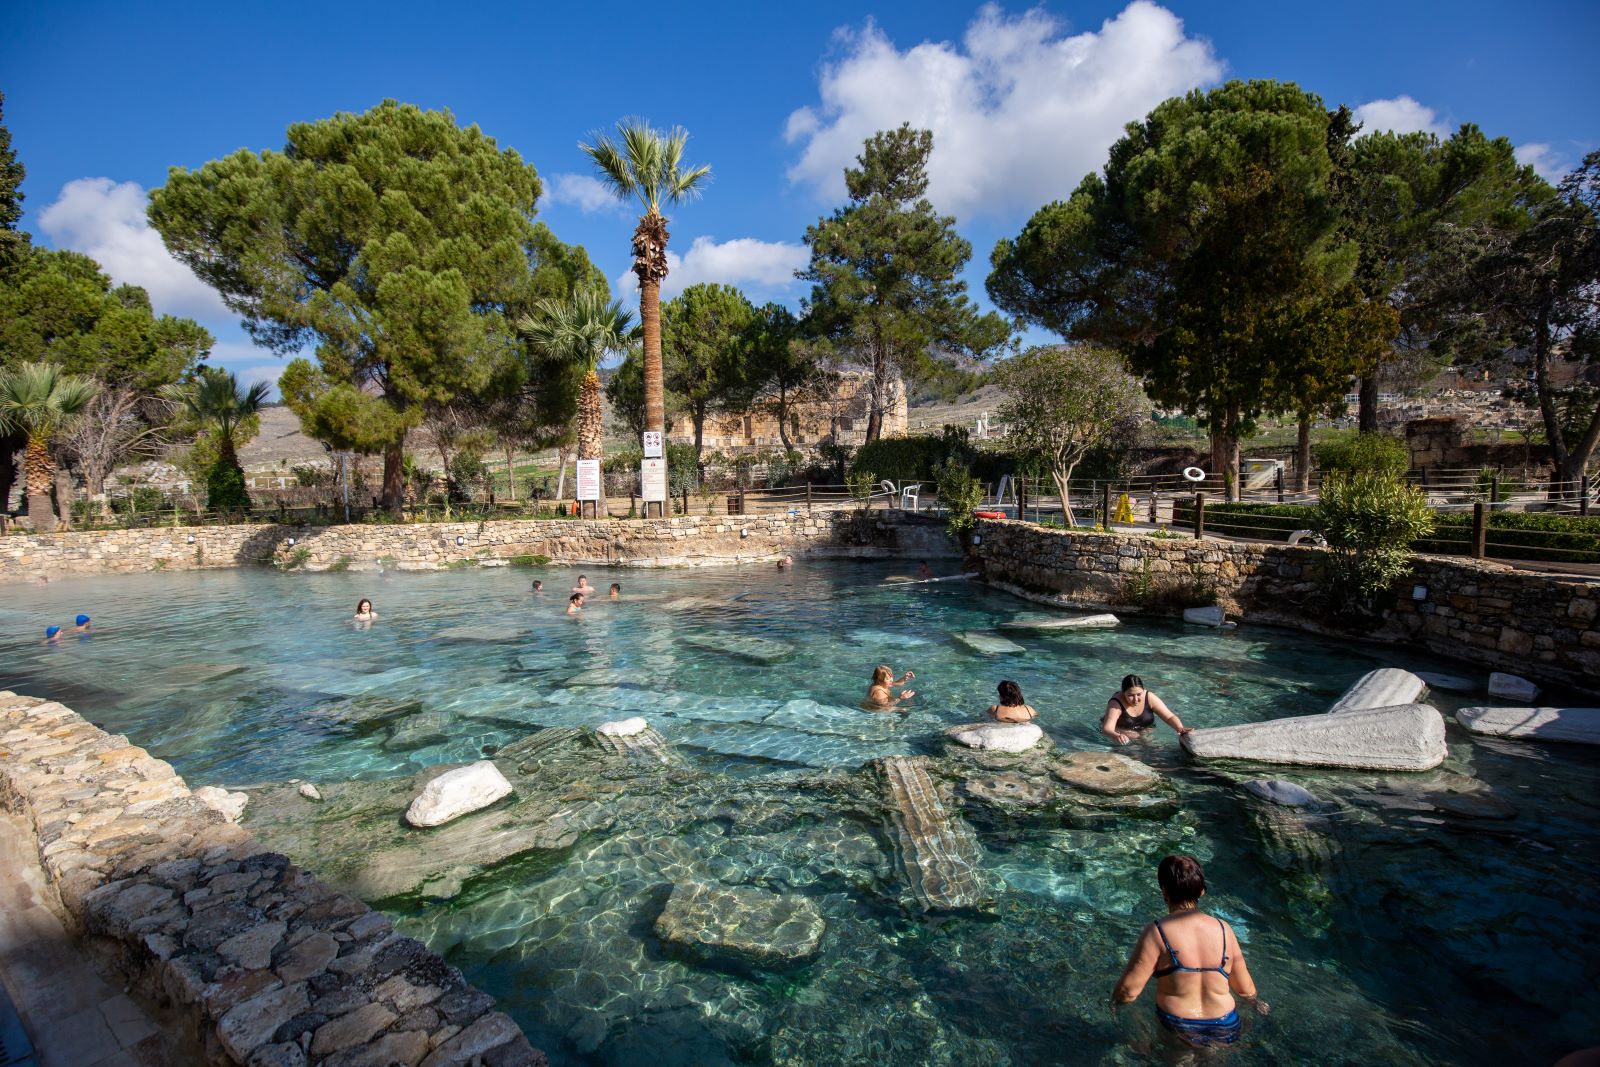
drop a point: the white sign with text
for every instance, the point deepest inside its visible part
(588, 479)
(652, 444)
(653, 480)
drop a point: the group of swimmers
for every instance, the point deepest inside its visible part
(582, 592)
(80, 625)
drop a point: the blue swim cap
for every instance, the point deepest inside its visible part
(82, 619)
(51, 631)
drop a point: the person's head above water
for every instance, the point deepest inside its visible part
(1131, 682)
(1011, 694)
(538, 586)
(51, 631)
(616, 588)
(882, 675)
(81, 620)
(364, 607)
(575, 598)
(1182, 881)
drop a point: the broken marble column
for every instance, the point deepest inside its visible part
(988, 644)
(641, 741)
(457, 792)
(938, 852)
(1579, 726)
(1386, 687)
(997, 736)
(1405, 738)
(1511, 687)
(1060, 622)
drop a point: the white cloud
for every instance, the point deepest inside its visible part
(583, 191)
(1019, 111)
(1402, 114)
(106, 220)
(1546, 162)
(763, 267)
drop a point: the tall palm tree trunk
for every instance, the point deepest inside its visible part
(39, 470)
(650, 265)
(591, 431)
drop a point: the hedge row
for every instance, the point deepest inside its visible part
(1536, 535)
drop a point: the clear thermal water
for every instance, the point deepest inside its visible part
(1392, 928)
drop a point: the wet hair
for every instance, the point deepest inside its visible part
(363, 602)
(616, 587)
(537, 585)
(574, 598)
(582, 578)
(1132, 681)
(1011, 694)
(81, 620)
(1182, 880)
(882, 675)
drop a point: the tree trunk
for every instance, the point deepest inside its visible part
(394, 476)
(10, 445)
(39, 470)
(1302, 456)
(561, 472)
(1225, 451)
(1063, 480)
(783, 421)
(874, 424)
(1367, 420)
(1566, 464)
(650, 267)
(64, 496)
(591, 432)
(225, 451)
(511, 477)
(698, 417)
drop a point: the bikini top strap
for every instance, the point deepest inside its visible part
(1223, 927)
(1167, 944)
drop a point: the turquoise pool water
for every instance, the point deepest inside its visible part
(1439, 918)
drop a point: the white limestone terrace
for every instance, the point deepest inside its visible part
(254, 959)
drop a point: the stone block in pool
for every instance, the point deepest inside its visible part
(988, 644)
(1386, 687)
(741, 924)
(997, 736)
(457, 792)
(1105, 773)
(1579, 726)
(756, 649)
(1511, 687)
(1061, 622)
(1405, 738)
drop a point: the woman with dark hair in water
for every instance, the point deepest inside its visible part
(1194, 1001)
(364, 612)
(1012, 708)
(1132, 710)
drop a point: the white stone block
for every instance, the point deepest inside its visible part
(231, 805)
(624, 727)
(997, 736)
(1449, 683)
(1212, 615)
(456, 793)
(1511, 687)
(1406, 738)
(1577, 725)
(1060, 622)
(1386, 687)
(988, 644)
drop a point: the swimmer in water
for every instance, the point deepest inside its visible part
(1131, 711)
(1194, 996)
(80, 625)
(923, 573)
(52, 635)
(880, 694)
(364, 612)
(583, 585)
(1012, 708)
(575, 604)
(538, 587)
(616, 591)
(785, 563)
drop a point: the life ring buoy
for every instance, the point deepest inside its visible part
(1193, 474)
(988, 514)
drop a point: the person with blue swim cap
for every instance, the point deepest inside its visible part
(81, 624)
(52, 635)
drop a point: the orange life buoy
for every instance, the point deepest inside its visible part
(989, 514)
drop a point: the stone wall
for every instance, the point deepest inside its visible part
(689, 541)
(252, 959)
(841, 417)
(1491, 615)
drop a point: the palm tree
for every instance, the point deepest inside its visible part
(647, 164)
(38, 401)
(215, 401)
(579, 333)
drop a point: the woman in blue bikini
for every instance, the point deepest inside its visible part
(1193, 1001)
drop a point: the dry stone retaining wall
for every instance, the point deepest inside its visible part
(688, 541)
(1494, 616)
(254, 960)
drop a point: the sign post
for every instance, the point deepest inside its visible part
(654, 453)
(589, 485)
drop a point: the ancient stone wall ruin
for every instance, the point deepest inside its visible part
(840, 417)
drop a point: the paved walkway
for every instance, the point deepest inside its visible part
(74, 1018)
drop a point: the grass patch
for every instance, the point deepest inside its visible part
(534, 560)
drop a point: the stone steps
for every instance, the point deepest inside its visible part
(938, 853)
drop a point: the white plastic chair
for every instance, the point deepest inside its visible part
(908, 497)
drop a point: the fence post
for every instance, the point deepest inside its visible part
(685, 504)
(1105, 505)
(741, 500)
(1480, 529)
(1199, 515)
(1022, 500)
(1280, 485)
(1155, 508)
(808, 494)
(1494, 488)
(1583, 494)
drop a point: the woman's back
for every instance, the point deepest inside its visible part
(1197, 953)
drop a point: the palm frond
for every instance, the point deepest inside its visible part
(39, 398)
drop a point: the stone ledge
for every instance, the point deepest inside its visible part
(264, 964)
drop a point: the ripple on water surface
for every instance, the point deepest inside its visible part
(1435, 918)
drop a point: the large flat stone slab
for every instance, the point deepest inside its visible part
(1386, 687)
(1511, 686)
(1405, 738)
(1060, 622)
(938, 853)
(483, 634)
(741, 922)
(997, 736)
(1105, 773)
(755, 649)
(1579, 726)
(1450, 683)
(988, 644)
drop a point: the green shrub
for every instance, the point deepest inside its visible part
(902, 459)
(225, 489)
(1520, 535)
(340, 565)
(861, 485)
(1354, 452)
(534, 560)
(1370, 519)
(1265, 522)
(960, 493)
(141, 499)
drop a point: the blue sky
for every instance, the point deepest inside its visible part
(102, 99)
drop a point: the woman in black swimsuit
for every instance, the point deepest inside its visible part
(1133, 710)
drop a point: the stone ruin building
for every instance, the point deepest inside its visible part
(841, 418)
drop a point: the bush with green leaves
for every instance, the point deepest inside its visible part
(1357, 453)
(1370, 519)
(861, 485)
(960, 494)
(225, 489)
